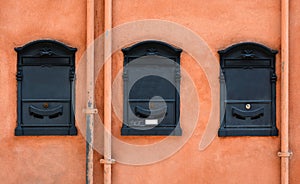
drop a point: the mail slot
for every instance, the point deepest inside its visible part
(46, 71)
(248, 90)
(151, 77)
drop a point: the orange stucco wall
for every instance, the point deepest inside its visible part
(33, 159)
(294, 91)
(226, 160)
(61, 159)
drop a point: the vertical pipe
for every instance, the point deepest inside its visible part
(90, 91)
(107, 90)
(284, 154)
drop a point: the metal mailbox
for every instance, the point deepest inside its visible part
(151, 89)
(46, 71)
(248, 90)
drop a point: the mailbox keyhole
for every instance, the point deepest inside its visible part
(151, 105)
(45, 105)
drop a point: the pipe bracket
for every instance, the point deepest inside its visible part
(284, 154)
(108, 161)
(90, 111)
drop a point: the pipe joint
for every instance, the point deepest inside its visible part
(90, 111)
(108, 161)
(285, 154)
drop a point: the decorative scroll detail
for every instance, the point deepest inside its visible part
(125, 75)
(273, 78)
(177, 74)
(46, 51)
(151, 51)
(222, 77)
(19, 74)
(72, 73)
(247, 54)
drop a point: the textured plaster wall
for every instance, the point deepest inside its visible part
(231, 160)
(294, 106)
(52, 159)
(33, 159)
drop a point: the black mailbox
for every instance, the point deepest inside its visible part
(151, 77)
(46, 71)
(248, 90)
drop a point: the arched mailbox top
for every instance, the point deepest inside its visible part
(248, 50)
(151, 47)
(247, 54)
(45, 48)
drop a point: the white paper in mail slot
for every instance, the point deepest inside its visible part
(151, 122)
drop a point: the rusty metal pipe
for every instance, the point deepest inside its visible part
(284, 153)
(90, 91)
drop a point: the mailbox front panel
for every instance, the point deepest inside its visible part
(45, 83)
(248, 91)
(51, 82)
(151, 89)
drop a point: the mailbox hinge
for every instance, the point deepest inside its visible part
(90, 111)
(285, 154)
(107, 161)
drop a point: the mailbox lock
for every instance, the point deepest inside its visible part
(45, 105)
(248, 106)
